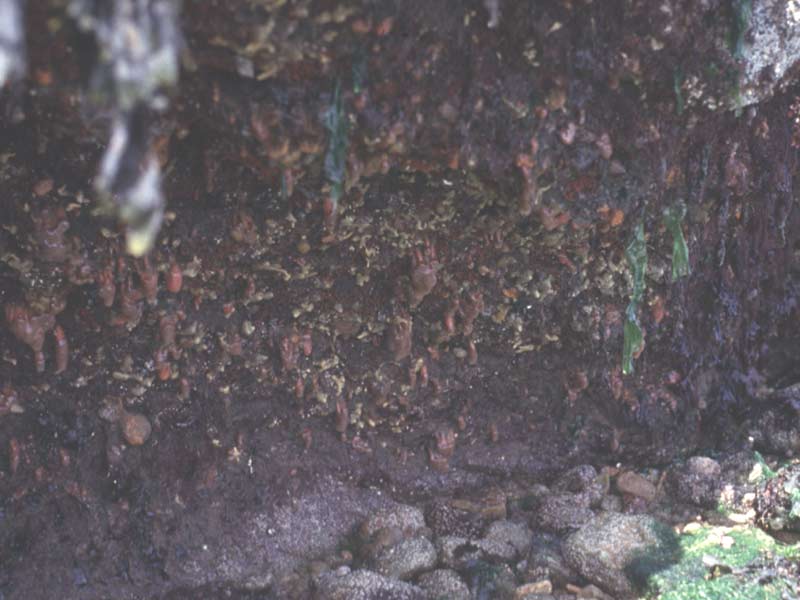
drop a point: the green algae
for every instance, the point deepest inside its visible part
(673, 217)
(728, 563)
(633, 338)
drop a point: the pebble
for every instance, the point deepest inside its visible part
(524, 592)
(634, 484)
(692, 528)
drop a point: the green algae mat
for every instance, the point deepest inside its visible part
(729, 563)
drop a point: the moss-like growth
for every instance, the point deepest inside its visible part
(764, 472)
(728, 563)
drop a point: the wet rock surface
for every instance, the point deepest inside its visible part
(387, 322)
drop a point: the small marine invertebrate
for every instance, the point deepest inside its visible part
(575, 382)
(49, 227)
(130, 305)
(308, 437)
(342, 416)
(167, 325)
(445, 441)
(174, 278)
(289, 350)
(9, 402)
(243, 228)
(470, 309)
(306, 344)
(106, 288)
(472, 353)
(30, 329)
(529, 197)
(398, 340)
(423, 274)
(438, 462)
(161, 363)
(149, 278)
(62, 349)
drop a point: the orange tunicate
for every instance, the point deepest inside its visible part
(136, 428)
(174, 279)
(164, 372)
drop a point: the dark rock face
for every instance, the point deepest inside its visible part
(391, 267)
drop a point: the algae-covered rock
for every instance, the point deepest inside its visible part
(778, 500)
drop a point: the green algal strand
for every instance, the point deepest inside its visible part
(673, 217)
(633, 338)
(336, 155)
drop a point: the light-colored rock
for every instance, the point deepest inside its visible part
(407, 559)
(454, 552)
(698, 481)
(361, 584)
(536, 588)
(612, 546)
(407, 519)
(611, 504)
(444, 584)
(772, 47)
(559, 513)
(505, 540)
